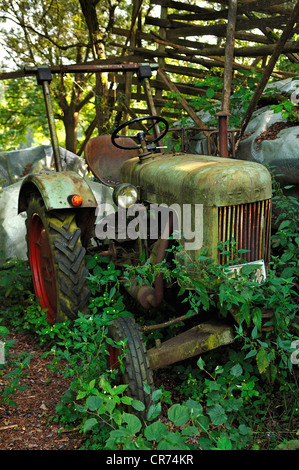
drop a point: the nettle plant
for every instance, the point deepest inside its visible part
(185, 427)
(105, 410)
(232, 390)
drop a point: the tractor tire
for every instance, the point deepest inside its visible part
(136, 362)
(57, 261)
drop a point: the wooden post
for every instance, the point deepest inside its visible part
(137, 5)
(171, 86)
(227, 78)
(161, 48)
(229, 54)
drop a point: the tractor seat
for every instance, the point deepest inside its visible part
(104, 159)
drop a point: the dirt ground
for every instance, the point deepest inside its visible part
(30, 425)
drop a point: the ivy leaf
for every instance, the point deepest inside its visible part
(93, 403)
(190, 431)
(179, 414)
(262, 360)
(200, 363)
(210, 93)
(154, 411)
(138, 405)
(194, 407)
(236, 370)
(155, 431)
(217, 415)
(89, 424)
(224, 443)
(134, 423)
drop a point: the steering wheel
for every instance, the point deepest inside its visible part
(141, 136)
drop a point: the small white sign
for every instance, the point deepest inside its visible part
(260, 272)
(2, 352)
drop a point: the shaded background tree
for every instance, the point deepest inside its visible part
(55, 32)
(186, 38)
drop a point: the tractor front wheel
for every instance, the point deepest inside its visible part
(56, 258)
(136, 363)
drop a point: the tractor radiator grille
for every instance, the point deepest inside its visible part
(248, 227)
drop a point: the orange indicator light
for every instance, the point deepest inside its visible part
(77, 200)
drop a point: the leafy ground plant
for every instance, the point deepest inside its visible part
(16, 365)
(243, 397)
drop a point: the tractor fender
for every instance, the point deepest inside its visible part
(56, 188)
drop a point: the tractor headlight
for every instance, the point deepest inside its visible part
(125, 195)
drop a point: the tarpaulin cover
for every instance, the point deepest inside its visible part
(281, 153)
(13, 166)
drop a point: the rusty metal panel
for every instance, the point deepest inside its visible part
(55, 189)
(197, 340)
(104, 159)
(198, 179)
(249, 226)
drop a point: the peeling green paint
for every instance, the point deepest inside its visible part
(55, 188)
(197, 340)
(188, 178)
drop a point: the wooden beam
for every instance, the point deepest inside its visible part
(243, 5)
(229, 55)
(181, 99)
(185, 88)
(273, 38)
(178, 28)
(209, 63)
(243, 36)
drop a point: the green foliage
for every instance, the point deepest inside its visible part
(286, 239)
(28, 127)
(224, 396)
(15, 279)
(286, 108)
(17, 366)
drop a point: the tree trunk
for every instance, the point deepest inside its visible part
(88, 8)
(70, 121)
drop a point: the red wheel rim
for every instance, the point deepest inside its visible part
(42, 266)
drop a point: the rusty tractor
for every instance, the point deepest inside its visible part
(226, 198)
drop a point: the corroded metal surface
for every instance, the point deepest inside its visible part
(104, 159)
(214, 183)
(190, 179)
(249, 226)
(51, 121)
(193, 342)
(55, 189)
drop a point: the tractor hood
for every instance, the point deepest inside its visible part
(197, 179)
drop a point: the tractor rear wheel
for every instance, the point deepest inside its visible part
(135, 361)
(56, 258)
